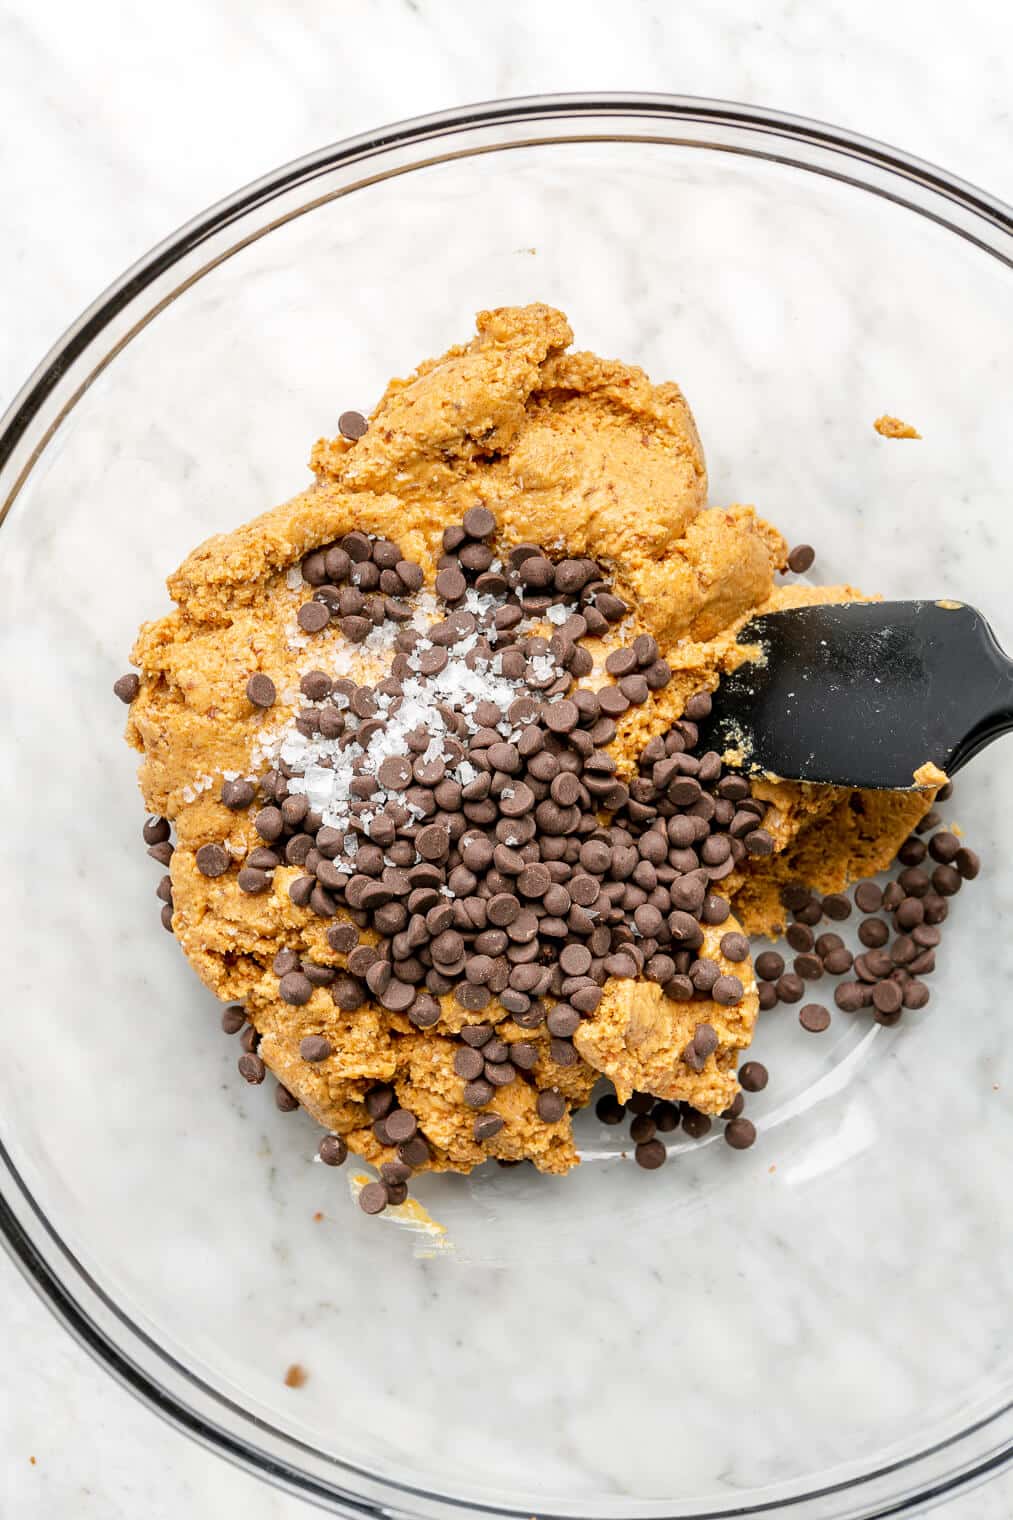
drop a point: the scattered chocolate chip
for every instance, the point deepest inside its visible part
(814, 1017)
(252, 1068)
(333, 1150)
(801, 559)
(373, 1198)
(127, 687)
(650, 1155)
(740, 1134)
(753, 1076)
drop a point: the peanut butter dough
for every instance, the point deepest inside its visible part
(585, 457)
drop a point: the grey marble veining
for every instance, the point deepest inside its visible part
(621, 1321)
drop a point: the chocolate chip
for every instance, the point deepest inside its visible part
(314, 1047)
(967, 863)
(869, 897)
(252, 1068)
(127, 687)
(379, 1100)
(313, 617)
(213, 860)
(451, 585)
(352, 425)
(609, 1110)
(849, 996)
(727, 991)
(694, 1123)
(477, 1093)
(735, 947)
(155, 831)
(789, 987)
(801, 559)
(233, 1018)
(478, 522)
(261, 690)
(332, 1150)
(415, 1152)
(814, 1017)
(753, 1076)
(373, 1198)
(887, 997)
(914, 994)
(252, 881)
(468, 1063)
(295, 989)
(873, 933)
(551, 1105)
(740, 1134)
(837, 906)
(947, 880)
(401, 1125)
(486, 1126)
(769, 965)
(650, 1155)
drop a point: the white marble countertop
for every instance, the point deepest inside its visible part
(119, 129)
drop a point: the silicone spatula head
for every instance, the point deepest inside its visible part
(863, 694)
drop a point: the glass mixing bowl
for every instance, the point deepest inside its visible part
(819, 1327)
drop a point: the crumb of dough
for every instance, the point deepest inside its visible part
(296, 1376)
(892, 427)
(587, 458)
(929, 775)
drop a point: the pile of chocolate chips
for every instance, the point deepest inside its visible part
(900, 931)
(465, 809)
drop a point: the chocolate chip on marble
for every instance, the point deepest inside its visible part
(373, 1198)
(967, 863)
(233, 1018)
(609, 1110)
(333, 1150)
(849, 996)
(695, 1124)
(252, 1068)
(753, 1076)
(801, 559)
(769, 965)
(650, 1155)
(740, 1134)
(873, 933)
(814, 1018)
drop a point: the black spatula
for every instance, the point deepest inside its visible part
(865, 693)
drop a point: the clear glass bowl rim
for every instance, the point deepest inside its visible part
(28, 426)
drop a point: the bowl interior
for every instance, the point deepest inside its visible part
(729, 1331)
